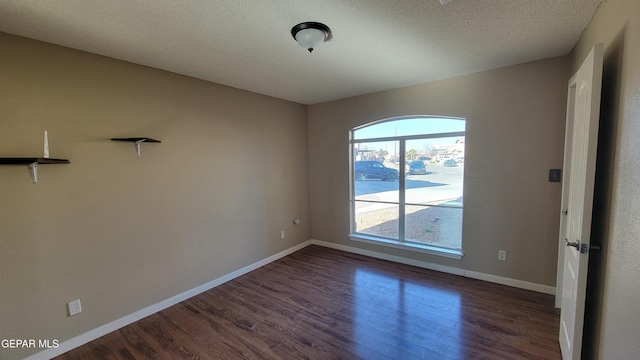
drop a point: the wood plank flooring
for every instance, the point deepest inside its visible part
(320, 303)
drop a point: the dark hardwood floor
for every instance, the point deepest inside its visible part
(320, 303)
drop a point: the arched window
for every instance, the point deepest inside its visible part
(407, 183)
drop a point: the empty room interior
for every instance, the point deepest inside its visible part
(183, 179)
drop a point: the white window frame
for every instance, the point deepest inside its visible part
(400, 242)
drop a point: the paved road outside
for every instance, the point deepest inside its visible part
(424, 224)
(440, 184)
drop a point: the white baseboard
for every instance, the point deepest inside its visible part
(545, 289)
(91, 335)
(551, 290)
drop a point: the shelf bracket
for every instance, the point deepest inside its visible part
(137, 144)
(33, 167)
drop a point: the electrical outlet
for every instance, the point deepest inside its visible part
(282, 235)
(75, 307)
(502, 255)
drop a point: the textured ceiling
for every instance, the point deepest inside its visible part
(376, 45)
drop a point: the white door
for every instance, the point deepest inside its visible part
(583, 113)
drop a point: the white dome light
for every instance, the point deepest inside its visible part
(310, 34)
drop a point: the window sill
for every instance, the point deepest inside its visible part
(427, 249)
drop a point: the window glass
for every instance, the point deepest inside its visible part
(375, 171)
(408, 127)
(423, 203)
(434, 225)
(377, 219)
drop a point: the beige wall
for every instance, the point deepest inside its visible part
(515, 134)
(121, 232)
(612, 319)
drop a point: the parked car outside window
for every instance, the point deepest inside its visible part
(450, 163)
(367, 170)
(417, 167)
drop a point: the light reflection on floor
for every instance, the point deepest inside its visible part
(394, 316)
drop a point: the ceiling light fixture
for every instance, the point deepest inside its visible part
(310, 34)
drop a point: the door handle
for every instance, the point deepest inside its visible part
(575, 244)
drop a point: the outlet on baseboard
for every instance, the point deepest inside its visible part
(75, 307)
(502, 255)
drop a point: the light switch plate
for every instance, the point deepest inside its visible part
(555, 175)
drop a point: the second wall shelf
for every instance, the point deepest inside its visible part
(137, 141)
